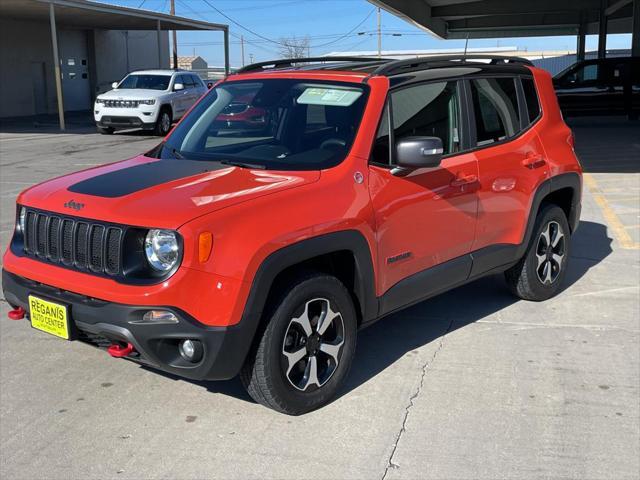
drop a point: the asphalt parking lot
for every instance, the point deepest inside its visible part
(471, 384)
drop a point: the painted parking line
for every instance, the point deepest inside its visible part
(617, 227)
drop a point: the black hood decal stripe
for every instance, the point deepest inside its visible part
(133, 179)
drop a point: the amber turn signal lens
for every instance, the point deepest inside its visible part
(205, 243)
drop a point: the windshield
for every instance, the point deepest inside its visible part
(277, 124)
(150, 82)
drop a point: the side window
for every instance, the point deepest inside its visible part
(380, 151)
(531, 98)
(181, 79)
(430, 110)
(495, 104)
(195, 80)
(588, 72)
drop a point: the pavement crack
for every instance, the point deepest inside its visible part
(390, 463)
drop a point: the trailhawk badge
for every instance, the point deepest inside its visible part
(74, 205)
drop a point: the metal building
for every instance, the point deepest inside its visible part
(57, 55)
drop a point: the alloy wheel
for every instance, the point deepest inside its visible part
(550, 252)
(312, 345)
(165, 122)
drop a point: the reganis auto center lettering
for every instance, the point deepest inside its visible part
(47, 312)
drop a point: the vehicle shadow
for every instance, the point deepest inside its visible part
(386, 341)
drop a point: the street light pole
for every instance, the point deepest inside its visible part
(174, 36)
(379, 34)
(242, 48)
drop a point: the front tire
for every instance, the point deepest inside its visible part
(540, 273)
(306, 349)
(163, 124)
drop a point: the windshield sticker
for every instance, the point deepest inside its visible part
(334, 97)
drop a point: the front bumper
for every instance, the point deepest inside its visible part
(144, 116)
(156, 345)
(123, 122)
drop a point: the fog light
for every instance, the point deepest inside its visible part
(190, 350)
(156, 317)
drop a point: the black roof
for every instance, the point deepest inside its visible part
(389, 67)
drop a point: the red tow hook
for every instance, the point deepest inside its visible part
(118, 351)
(16, 314)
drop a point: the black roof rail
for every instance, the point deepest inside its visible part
(289, 62)
(422, 63)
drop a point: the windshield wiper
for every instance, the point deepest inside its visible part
(236, 163)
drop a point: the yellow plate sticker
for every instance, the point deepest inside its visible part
(49, 317)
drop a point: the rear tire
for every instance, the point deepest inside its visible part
(540, 273)
(163, 124)
(105, 130)
(306, 349)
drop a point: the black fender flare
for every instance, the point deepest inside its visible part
(346, 240)
(564, 180)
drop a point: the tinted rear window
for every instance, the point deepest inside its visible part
(495, 103)
(531, 97)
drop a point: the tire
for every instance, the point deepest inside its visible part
(540, 273)
(105, 130)
(279, 375)
(163, 124)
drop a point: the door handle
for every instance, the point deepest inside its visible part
(534, 160)
(460, 181)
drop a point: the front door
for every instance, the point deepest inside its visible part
(427, 217)
(583, 90)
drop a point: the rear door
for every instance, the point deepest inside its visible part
(181, 98)
(428, 217)
(511, 158)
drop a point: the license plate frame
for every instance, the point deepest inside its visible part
(46, 317)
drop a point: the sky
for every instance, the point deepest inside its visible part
(332, 25)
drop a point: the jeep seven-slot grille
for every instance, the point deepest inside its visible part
(74, 243)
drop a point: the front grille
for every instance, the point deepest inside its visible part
(122, 103)
(81, 244)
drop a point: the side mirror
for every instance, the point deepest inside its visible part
(417, 152)
(178, 86)
(114, 85)
(209, 85)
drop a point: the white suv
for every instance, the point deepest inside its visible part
(148, 99)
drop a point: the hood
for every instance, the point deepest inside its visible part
(131, 94)
(147, 192)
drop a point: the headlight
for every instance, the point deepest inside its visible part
(100, 101)
(22, 220)
(162, 249)
(147, 102)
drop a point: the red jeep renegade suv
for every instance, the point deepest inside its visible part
(260, 247)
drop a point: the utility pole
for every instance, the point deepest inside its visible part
(242, 48)
(175, 37)
(379, 33)
(251, 58)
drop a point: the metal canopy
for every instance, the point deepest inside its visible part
(85, 15)
(459, 19)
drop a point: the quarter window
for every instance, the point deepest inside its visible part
(495, 103)
(531, 98)
(430, 110)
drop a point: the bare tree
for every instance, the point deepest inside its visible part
(294, 47)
